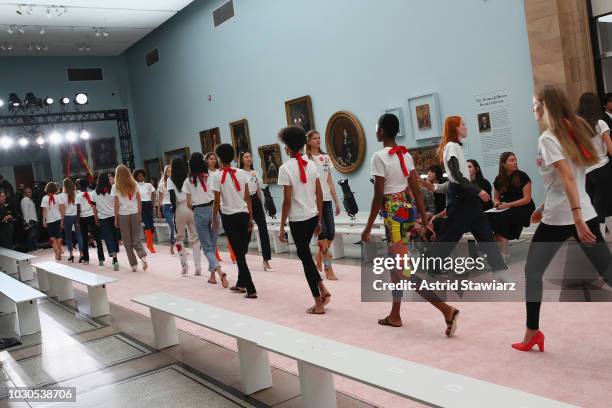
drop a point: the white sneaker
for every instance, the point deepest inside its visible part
(198, 272)
(134, 268)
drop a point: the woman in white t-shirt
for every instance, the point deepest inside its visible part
(127, 215)
(147, 196)
(200, 199)
(184, 218)
(245, 162)
(88, 221)
(164, 208)
(302, 204)
(328, 229)
(395, 179)
(52, 218)
(104, 211)
(70, 216)
(232, 201)
(464, 201)
(598, 176)
(565, 150)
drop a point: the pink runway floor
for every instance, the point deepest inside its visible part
(575, 368)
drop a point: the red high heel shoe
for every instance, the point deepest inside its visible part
(538, 339)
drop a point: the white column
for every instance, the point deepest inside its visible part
(317, 385)
(98, 301)
(255, 370)
(29, 321)
(164, 329)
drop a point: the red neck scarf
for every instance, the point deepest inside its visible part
(86, 195)
(400, 151)
(572, 134)
(51, 198)
(203, 177)
(232, 173)
(302, 165)
(105, 191)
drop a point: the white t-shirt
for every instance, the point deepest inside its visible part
(166, 195)
(454, 149)
(556, 205)
(232, 200)
(600, 146)
(180, 196)
(70, 208)
(324, 167)
(53, 212)
(146, 189)
(28, 209)
(198, 195)
(86, 208)
(127, 206)
(254, 181)
(105, 205)
(303, 195)
(388, 166)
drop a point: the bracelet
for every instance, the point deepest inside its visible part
(576, 208)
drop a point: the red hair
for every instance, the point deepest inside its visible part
(449, 134)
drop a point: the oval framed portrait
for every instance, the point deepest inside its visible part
(345, 141)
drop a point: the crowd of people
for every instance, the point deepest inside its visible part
(199, 195)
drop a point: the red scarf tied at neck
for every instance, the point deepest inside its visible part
(203, 177)
(51, 198)
(572, 134)
(232, 173)
(87, 197)
(400, 151)
(302, 165)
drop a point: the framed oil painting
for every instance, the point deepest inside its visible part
(424, 157)
(104, 153)
(209, 139)
(240, 136)
(299, 113)
(424, 117)
(153, 168)
(345, 141)
(71, 160)
(183, 153)
(270, 157)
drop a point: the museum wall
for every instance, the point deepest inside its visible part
(361, 56)
(24, 74)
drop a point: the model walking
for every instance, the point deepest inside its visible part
(52, 218)
(128, 215)
(69, 211)
(104, 211)
(328, 229)
(259, 216)
(148, 202)
(88, 222)
(164, 207)
(302, 206)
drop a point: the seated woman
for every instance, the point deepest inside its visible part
(477, 178)
(435, 200)
(512, 194)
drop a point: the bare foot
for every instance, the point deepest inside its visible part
(315, 310)
(212, 280)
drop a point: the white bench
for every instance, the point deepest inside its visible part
(318, 358)
(19, 297)
(57, 278)
(16, 263)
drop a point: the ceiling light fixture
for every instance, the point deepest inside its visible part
(84, 134)
(65, 100)
(10, 29)
(6, 142)
(40, 140)
(21, 30)
(49, 101)
(23, 142)
(81, 98)
(71, 136)
(55, 138)
(1, 103)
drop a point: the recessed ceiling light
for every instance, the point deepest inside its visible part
(10, 30)
(21, 30)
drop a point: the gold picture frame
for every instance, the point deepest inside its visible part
(271, 160)
(209, 139)
(183, 152)
(153, 167)
(299, 113)
(345, 141)
(241, 140)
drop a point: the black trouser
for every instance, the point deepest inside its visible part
(260, 219)
(236, 228)
(596, 182)
(465, 214)
(302, 231)
(89, 224)
(539, 257)
(32, 236)
(328, 228)
(6, 235)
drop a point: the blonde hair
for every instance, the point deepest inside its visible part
(573, 132)
(69, 189)
(125, 184)
(163, 179)
(309, 136)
